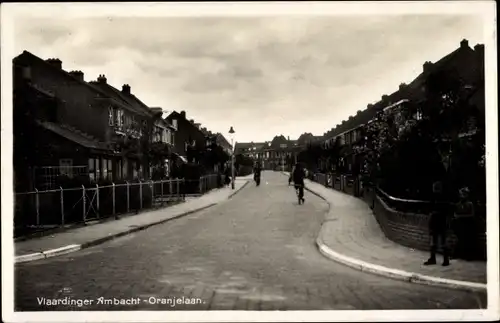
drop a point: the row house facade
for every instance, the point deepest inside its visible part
(466, 63)
(191, 139)
(77, 125)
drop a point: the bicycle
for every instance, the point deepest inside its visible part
(297, 188)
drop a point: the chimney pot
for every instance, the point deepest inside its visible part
(77, 74)
(55, 62)
(464, 43)
(402, 86)
(192, 121)
(183, 114)
(126, 89)
(427, 66)
(102, 79)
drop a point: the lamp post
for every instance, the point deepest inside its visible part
(231, 133)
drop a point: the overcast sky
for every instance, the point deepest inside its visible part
(264, 76)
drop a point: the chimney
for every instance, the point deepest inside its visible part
(183, 114)
(359, 112)
(102, 79)
(402, 86)
(197, 125)
(427, 66)
(370, 106)
(464, 43)
(56, 62)
(479, 49)
(77, 74)
(126, 89)
(192, 121)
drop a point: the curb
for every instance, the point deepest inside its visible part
(396, 273)
(390, 272)
(239, 189)
(75, 247)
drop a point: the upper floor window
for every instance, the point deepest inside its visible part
(174, 123)
(119, 117)
(111, 116)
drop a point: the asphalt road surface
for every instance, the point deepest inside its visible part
(254, 252)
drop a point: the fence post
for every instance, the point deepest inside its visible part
(170, 188)
(37, 206)
(62, 206)
(152, 193)
(201, 185)
(178, 188)
(114, 200)
(84, 206)
(97, 194)
(140, 195)
(161, 183)
(128, 196)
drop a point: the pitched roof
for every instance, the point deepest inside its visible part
(75, 135)
(57, 70)
(410, 91)
(113, 92)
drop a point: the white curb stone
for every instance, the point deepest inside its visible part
(62, 250)
(29, 257)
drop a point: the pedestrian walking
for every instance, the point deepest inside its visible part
(438, 224)
(464, 225)
(227, 175)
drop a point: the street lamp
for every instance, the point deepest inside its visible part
(231, 134)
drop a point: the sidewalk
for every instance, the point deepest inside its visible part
(90, 235)
(351, 235)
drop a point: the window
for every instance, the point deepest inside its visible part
(97, 169)
(174, 123)
(125, 168)
(65, 167)
(105, 168)
(110, 116)
(119, 169)
(92, 169)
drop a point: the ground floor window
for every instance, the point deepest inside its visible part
(65, 167)
(119, 169)
(94, 169)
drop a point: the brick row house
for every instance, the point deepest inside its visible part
(279, 153)
(196, 145)
(64, 125)
(405, 104)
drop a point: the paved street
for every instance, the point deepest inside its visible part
(254, 252)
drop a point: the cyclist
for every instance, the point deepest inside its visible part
(298, 179)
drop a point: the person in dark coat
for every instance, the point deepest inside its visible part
(464, 225)
(438, 225)
(227, 175)
(298, 179)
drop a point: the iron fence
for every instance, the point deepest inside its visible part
(62, 206)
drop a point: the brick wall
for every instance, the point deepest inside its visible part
(405, 228)
(411, 229)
